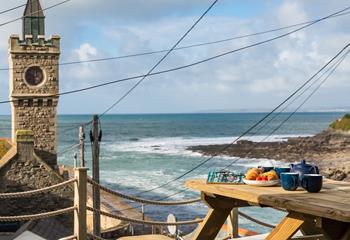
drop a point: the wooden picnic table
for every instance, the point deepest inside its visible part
(326, 212)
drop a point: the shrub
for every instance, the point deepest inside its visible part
(342, 124)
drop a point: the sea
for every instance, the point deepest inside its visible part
(142, 151)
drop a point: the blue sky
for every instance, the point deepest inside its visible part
(255, 79)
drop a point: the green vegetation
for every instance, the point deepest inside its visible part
(342, 123)
(4, 147)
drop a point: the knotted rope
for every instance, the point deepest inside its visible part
(36, 216)
(155, 223)
(255, 220)
(141, 200)
(33, 192)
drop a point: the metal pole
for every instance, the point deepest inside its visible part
(80, 197)
(82, 146)
(96, 174)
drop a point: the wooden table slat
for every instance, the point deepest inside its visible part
(332, 202)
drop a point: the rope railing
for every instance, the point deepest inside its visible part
(146, 201)
(141, 200)
(34, 192)
(36, 216)
(139, 221)
(246, 216)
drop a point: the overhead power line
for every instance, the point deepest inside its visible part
(151, 70)
(159, 62)
(13, 8)
(266, 41)
(180, 48)
(330, 72)
(339, 13)
(187, 65)
(45, 9)
(192, 64)
(250, 129)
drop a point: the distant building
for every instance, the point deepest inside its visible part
(34, 82)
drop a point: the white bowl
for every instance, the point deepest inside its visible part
(261, 183)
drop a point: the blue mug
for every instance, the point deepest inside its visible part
(289, 181)
(312, 182)
(280, 170)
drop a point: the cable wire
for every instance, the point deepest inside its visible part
(45, 9)
(180, 48)
(198, 62)
(248, 130)
(159, 62)
(271, 113)
(140, 81)
(330, 71)
(183, 66)
(68, 149)
(260, 121)
(13, 8)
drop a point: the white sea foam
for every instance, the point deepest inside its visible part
(179, 145)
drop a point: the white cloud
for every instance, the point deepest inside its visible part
(291, 12)
(86, 52)
(248, 79)
(269, 85)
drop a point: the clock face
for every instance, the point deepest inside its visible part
(34, 76)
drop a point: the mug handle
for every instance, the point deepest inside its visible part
(313, 169)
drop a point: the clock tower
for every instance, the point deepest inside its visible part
(33, 61)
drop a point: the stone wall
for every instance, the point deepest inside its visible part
(20, 176)
(26, 172)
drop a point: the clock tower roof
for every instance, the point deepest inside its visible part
(33, 20)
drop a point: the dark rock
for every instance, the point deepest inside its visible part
(294, 149)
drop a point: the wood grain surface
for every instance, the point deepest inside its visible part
(332, 202)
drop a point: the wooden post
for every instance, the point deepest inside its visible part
(80, 198)
(82, 146)
(232, 223)
(96, 175)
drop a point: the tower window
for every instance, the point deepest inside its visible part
(20, 103)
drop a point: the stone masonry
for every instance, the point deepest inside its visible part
(26, 171)
(34, 107)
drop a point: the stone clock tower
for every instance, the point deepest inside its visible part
(33, 83)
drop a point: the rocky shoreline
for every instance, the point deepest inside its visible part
(330, 150)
